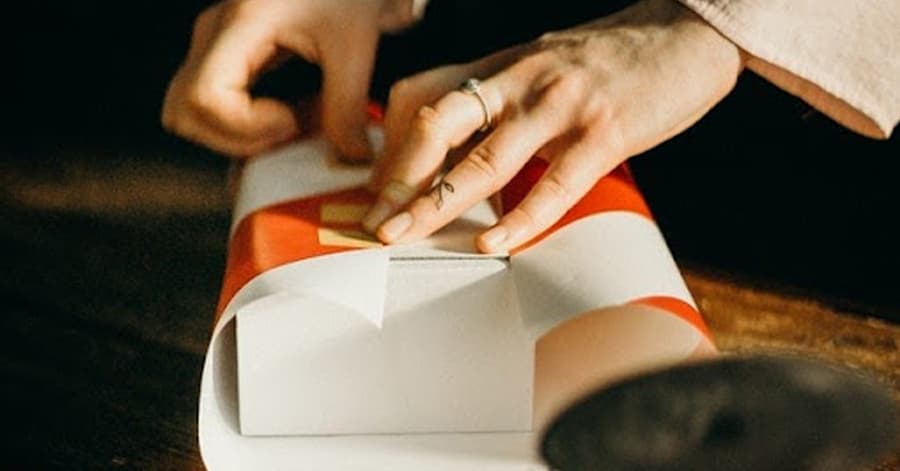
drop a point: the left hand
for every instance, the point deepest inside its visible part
(585, 99)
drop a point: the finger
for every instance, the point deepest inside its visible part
(411, 94)
(203, 33)
(211, 92)
(347, 61)
(228, 144)
(483, 172)
(202, 125)
(568, 178)
(406, 97)
(434, 131)
(175, 106)
(246, 45)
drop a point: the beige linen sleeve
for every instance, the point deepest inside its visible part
(840, 56)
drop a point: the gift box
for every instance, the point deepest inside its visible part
(331, 351)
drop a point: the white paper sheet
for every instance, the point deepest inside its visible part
(452, 356)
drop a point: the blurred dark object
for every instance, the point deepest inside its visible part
(731, 414)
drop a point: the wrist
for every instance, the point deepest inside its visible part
(719, 44)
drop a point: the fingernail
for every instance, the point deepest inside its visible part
(493, 238)
(380, 211)
(395, 227)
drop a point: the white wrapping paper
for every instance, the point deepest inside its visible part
(607, 252)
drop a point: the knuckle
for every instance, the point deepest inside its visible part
(428, 122)
(401, 92)
(555, 189)
(523, 217)
(201, 99)
(598, 108)
(400, 106)
(535, 64)
(543, 58)
(569, 87)
(483, 160)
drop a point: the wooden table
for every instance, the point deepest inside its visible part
(111, 270)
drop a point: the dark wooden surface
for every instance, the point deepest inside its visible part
(111, 267)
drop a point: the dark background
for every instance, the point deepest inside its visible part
(106, 310)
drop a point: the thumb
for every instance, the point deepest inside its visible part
(347, 62)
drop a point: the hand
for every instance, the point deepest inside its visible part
(585, 99)
(235, 41)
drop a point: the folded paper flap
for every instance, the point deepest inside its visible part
(449, 325)
(318, 327)
(330, 316)
(603, 260)
(327, 278)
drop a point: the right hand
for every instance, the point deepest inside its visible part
(209, 102)
(584, 99)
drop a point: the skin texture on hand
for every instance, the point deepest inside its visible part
(234, 42)
(585, 99)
